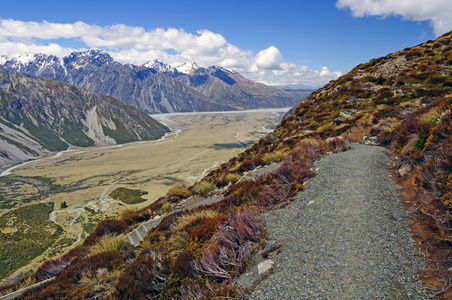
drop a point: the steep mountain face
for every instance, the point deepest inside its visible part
(38, 115)
(226, 87)
(154, 86)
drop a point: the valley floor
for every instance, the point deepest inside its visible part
(198, 142)
(344, 237)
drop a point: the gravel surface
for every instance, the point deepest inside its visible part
(344, 236)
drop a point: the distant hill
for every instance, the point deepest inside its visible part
(39, 115)
(154, 86)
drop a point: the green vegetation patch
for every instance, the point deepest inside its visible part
(77, 138)
(25, 233)
(44, 135)
(122, 134)
(128, 196)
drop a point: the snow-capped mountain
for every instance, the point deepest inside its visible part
(158, 66)
(154, 86)
(187, 67)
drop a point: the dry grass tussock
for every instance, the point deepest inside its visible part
(178, 190)
(108, 243)
(187, 219)
(126, 211)
(410, 145)
(203, 188)
(100, 280)
(29, 281)
(276, 156)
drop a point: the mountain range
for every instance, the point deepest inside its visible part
(39, 115)
(155, 87)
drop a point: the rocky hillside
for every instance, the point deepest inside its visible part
(402, 101)
(154, 86)
(40, 115)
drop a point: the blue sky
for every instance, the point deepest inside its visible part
(276, 42)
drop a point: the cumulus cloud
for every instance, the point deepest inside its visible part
(132, 44)
(437, 12)
(269, 59)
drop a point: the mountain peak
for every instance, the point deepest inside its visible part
(95, 56)
(187, 67)
(159, 66)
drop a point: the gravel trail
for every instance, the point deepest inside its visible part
(350, 240)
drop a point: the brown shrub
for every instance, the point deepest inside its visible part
(65, 285)
(106, 227)
(142, 279)
(182, 266)
(206, 227)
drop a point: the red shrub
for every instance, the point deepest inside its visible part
(52, 267)
(233, 247)
(273, 195)
(206, 227)
(182, 266)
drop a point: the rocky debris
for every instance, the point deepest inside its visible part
(253, 174)
(373, 140)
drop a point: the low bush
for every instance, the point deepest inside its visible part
(142, 278)
(104, 228)
(191, 218)
(206, 227)
(182, 266)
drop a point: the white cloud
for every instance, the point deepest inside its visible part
(269, 59)
(131, 44)
(289, 74)
(437, 12)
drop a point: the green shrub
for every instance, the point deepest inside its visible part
(30, 243)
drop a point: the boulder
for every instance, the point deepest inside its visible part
(265, 266)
